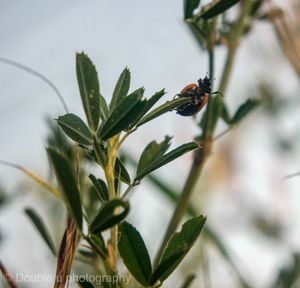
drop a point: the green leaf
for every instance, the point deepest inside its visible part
(166, 107)
(41, 227)
(188, 281)
(120, 168)
(178, 246)
(104, 111)
(99, 242)
(136, 114)
(67, 180)
(288, 275)
(83, 283)
(121, 117)
(121, 88)
(58, 139)
(208, 232)
(153, 99)
(163, 160)
(89, 89)
(106, 216)
(152, 151)
(147, 105)
(87, 253)
(75, 128)
(100, 188)
(134, 253)
(189, 7)
(167, 266)
(217, 8)
(244, 110)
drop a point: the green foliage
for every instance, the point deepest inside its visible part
(58, 139)
(89, 89)
(153, 100)
(189, 7)
(41, 227)
(162, 109)
(76, 129)
(164, 159)
(121, 89)
(100, 188)
(99, 243)
(244, 110)
(121, 170)
(188, 281)
(136, 257)
(217, 8)
(104, 111)
(178, 246)
(121, 117)
(67, 180)
(290, 274)
(106, 216)
(134, 253)
(152, 152)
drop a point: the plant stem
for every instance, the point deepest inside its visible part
(195, 171)
(109, 170)
(202, 155)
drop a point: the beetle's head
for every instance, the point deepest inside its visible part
(205, 84)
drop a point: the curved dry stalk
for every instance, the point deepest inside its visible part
(66, 254)
(7, 276)
(39, 75)
(34, 177)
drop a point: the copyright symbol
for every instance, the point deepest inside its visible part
(7, 278)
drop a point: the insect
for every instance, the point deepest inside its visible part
(199, 95)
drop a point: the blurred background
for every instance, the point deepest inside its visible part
(254, 212)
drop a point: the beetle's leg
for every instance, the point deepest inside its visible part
(218, 92)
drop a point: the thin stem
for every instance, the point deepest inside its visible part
(34, 177)
(205, 269)
(129, 188)
(107, 162)
(223, 133)
(109, 170)
(290, 176)
(201, 157)
(180, 207)
(195, 171)
(39, 75)
(99, 154)
(95, 248)
(109, 270)
(125, 137)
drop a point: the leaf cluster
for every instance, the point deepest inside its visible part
(99, 138)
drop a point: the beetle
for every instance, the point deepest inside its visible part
(198, 93)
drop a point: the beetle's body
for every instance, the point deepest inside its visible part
(198, 93)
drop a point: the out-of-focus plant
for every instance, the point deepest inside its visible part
(288, 276)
